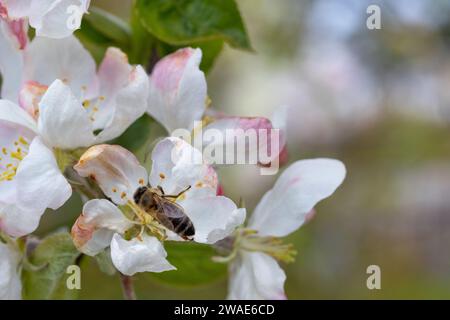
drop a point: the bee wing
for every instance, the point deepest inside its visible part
(168, 211)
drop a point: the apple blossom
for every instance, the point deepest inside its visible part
(134, 235)
(52, 121)
(51, 18)
(101, 104)
(254, 271)
(26, 167)
(112, 97)
(178, 100)
(58, 110)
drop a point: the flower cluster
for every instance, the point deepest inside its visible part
(132, 233)
(58, 113)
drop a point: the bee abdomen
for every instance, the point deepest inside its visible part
(184, 227)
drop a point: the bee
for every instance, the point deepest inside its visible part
(171, 215)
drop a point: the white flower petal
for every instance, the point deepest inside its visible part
(128, 105)
(41, 184)
(12, 113)
(256, 276)
(178, 90)
(63, 123)
(98, 241)
(113, 75)
(8, 192)
(57, 19)
(94, 229)
(12, 39)
(104, 214)
(214, 218)
(280, 117)
(283, 209)
(146, 255)
(115, 169)
(10, 284)
(47, 60)
(177, 165)
(18, 222)
(280, 121)
(14, 144)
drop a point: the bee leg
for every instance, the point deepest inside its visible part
(176, 195)
(187, 238)
(161, 189)
(185, 190)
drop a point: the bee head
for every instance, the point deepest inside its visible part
(139, 193)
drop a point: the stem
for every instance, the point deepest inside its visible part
(142, 41)
(154, 58)
(127, 287)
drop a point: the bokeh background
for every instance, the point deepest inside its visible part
(379, 100)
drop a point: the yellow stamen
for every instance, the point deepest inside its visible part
(23, 141)
(17, 155)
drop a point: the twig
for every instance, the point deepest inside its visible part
(127, 287)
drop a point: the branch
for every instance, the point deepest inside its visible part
(127, 287)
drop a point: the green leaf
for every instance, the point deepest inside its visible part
(137, 135)
(193, 263)
(211, 50)
(142, 41)
(109, 25)
(183, 22)
(94, 41)
(100, 30)
(55, 253)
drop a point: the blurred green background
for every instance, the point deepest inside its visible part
(379, 100)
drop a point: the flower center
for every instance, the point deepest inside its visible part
(144, 222)
(92, 106)
(248, 240)
(65, 158)
(10, 158)
(272, 246)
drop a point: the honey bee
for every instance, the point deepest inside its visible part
(171, 215)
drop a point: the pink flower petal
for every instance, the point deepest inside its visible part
(18, 31)
(30, 96)
(262, 127)
(178, 90)
(95, 227)
(220, 190)
(116, 170)
(3, 11)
